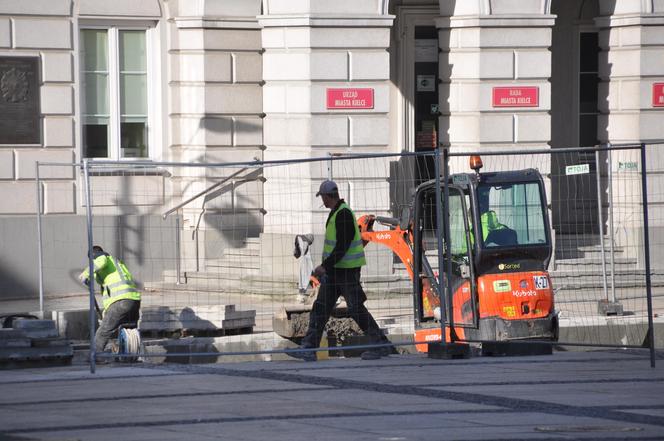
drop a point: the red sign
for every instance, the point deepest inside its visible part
(658, 95)
(516, 97)
(350, 98)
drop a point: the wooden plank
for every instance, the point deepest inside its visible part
(13, 354)
(15, 343)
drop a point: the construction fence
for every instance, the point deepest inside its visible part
(223, 252)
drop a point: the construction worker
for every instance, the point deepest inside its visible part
(121, 298)
(343, 258)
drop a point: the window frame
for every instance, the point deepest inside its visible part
(152, 87)
(584, 29)
(510, 221)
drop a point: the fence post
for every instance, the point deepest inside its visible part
(91, 284)
(646, 245)
(177, 249)
(448, 238)
(601, 222)
(440, 210)
(611, 232)
(330, 171)
(40, 255)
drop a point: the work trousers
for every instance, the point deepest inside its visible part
(119, 313)
(341, 282)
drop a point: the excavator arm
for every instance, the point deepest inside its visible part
(399, 241)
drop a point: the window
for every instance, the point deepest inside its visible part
(114, 74)
(514, 215)
(458, 242)
(588, 81)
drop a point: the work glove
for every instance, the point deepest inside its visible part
(85, 280)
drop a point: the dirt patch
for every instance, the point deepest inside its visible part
(341, 328)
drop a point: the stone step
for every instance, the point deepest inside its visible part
(232, 265)
(597, 285)
(595, 264)
(596, 273)
(248, 251)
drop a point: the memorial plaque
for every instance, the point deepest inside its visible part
(19, 100)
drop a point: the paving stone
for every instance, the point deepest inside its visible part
(36, 328)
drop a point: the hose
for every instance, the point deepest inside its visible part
(130, 343)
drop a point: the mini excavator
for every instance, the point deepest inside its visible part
(499, 251)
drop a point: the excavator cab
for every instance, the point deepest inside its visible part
(499, 251)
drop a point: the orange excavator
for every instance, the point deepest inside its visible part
(499, 250)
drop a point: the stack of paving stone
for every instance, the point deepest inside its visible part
(33, 342)
(215, 320)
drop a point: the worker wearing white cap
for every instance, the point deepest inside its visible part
(339, 273)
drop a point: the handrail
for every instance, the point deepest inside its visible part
(207, 190)
(203, 208)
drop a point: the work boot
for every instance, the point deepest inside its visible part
(387, 350)
(371, 354)
(303, 355)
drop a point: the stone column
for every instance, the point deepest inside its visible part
(495, 67)
(312, 46)
(631, 65)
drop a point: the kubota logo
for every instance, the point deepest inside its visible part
(383, 236)
(509, 266)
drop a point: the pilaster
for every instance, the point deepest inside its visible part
(216, 113)
(631, 111)
(495, 89)
(316, 51)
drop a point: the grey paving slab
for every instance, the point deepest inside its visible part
(579, 395)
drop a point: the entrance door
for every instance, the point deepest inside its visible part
(426, 97)
(415, 106)
(574, 115)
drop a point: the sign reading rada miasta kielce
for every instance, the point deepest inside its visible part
(658, 95)
(516, 96)
(350, 98)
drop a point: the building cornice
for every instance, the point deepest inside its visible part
(320, 20)
(496, 21)
(216, 23)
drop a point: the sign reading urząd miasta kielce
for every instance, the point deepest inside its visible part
(516, 96)
(350, 98)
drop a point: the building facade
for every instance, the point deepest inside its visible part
(211, 81)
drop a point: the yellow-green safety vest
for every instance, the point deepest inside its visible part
(489, 223)
(354, 257)
(116, 280)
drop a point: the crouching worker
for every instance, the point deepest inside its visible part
(121, 298)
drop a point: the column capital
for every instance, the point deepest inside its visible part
(496, 21)
(319, 20)
(616, 21)
(346, 8)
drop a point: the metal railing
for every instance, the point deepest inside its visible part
(251, 177)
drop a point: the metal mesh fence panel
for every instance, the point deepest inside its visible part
(223, 252)
(213, 247)
(597, 267)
